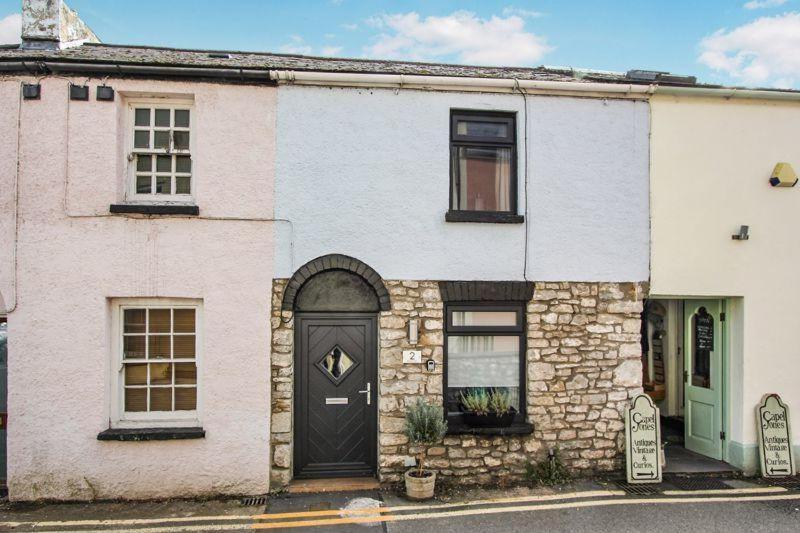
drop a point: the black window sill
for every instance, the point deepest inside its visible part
(517, 428)
(139, 434)
(151, 209)
(489, 217)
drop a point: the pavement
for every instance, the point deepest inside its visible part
(587, 506)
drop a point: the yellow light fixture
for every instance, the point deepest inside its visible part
(783, 176)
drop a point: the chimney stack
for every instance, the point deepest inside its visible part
(52, 25)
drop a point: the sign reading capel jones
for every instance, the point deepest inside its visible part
(774, 438)
(642, 441)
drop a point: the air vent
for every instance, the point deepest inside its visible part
(218, 55)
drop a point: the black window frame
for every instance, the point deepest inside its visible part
(454, 214)
(455, 420)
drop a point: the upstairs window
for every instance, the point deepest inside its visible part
(161, 151)
(483, 166)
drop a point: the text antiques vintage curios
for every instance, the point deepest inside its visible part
(775, 451)
(642, 441)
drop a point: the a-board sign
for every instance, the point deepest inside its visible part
(703, 331)
(775, 452)
(642, 441)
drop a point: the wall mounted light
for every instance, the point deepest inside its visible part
(783, 175)
(743, 235)
(413, 331)
(31, 91)
(105, 93)
(78, 92)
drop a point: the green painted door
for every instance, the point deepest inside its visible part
(703, 376)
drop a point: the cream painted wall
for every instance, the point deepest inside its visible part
(711, 159)
(69, 267)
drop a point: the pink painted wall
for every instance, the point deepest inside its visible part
(73, 258)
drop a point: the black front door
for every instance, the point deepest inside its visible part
(335, 394)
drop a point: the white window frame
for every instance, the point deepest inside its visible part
(123, 419)
(131, 196)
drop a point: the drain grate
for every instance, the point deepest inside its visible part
(791, 483)
(699, 483)
(639, 489)
(253, 500)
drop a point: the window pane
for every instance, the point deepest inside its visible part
(181, 118)
(184, 346)
(162, 118)
(163, 185)
(483, 361)
(183, 163)
(144, 184)
(136, 399)
(484, 182)
(159, 346)
(133, 346)
(134, 320)
(164, 163)
(183, 185)
(185, 399)
(160, 320)
(184, 320)
(135, 374)
(476, 128)
(185, 373)
(144, 163)
(161, 399)
(142, 117)
(141, 139)
(484, 318)
(181, 140)
(161, 139)
(161, 374)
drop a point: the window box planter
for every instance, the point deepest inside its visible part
(489, 420)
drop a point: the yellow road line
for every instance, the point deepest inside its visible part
(754, 490)
(127, 522)
(471, 503)
(523, 508)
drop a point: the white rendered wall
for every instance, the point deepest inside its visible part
(366, 173)
(70, 267)
(711, 162)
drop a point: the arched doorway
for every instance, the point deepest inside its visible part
(336, 301)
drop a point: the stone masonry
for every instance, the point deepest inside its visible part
(583, 364)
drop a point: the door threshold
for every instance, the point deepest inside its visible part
(334, 484)
(682, 461)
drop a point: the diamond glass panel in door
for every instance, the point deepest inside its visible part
(336, 364)
(484, 178)
(482, 362)
(159, 352)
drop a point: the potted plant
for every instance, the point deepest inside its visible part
(425, 426)
(487, 408)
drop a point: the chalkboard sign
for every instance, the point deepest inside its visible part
(703, 331)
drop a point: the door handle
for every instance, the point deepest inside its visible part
(368, 392)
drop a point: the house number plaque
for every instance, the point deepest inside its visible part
(642, 441)
(775, 451)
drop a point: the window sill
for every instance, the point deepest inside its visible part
(154, 209)
(517, 428)
(489, 217)
(139, 434)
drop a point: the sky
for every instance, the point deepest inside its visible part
(754, 43)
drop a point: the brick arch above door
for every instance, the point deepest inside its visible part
(332, 262)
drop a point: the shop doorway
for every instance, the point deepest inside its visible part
(684, 372)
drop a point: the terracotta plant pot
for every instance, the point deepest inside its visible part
(420, 488)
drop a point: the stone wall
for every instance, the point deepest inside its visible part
(583, 364)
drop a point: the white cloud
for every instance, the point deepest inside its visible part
(763, 4)
(330, 50)
(350, 27)
(11, 29)
(297, 46)
(460, 36)
(762, 52)
(524, 13)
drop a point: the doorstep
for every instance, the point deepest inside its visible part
(347, 484)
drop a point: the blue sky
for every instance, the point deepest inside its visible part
(744, 42)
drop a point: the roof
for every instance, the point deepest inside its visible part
(217, 59)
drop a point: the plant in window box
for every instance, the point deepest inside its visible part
(487, 408)
(425, 426)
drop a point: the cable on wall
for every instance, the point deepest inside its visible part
(524, 94)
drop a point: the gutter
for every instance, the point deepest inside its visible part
(453, 83)
(722, 92)
(39, 67)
